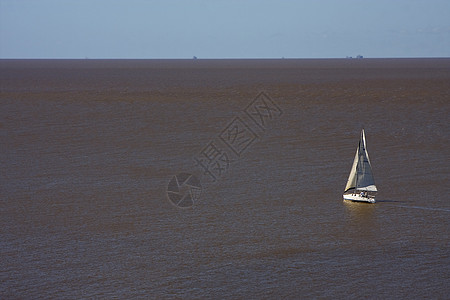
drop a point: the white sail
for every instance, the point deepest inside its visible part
(351, 181)
(361, 177)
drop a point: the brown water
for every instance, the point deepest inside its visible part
(88, 148)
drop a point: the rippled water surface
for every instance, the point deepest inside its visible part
(89, 147)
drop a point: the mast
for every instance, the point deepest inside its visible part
(361, 140)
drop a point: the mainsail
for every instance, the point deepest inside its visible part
(361, 177)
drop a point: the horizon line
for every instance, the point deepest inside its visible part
(225, 58)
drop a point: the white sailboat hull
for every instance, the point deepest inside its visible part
(359, 198)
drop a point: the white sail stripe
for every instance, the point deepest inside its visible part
(369, 188)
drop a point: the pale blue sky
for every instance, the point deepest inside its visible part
(224, 28)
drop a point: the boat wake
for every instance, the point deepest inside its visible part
(422, 207)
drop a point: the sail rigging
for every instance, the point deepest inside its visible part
(361, 177)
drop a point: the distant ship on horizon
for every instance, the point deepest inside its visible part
(359, 56)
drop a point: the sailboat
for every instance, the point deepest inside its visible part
(360, 184)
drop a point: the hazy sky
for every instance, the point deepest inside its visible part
(224, 28)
